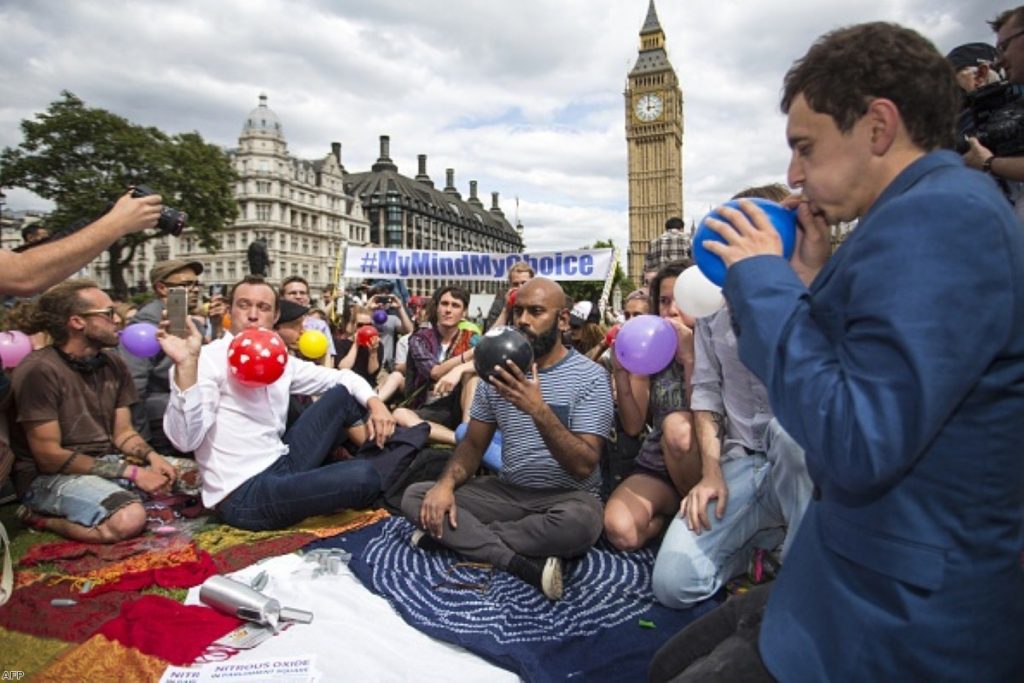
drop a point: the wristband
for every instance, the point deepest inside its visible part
(986, 166)
(133, 472)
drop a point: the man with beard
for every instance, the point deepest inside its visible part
(73, 403)
(544, 505)
(151, 374)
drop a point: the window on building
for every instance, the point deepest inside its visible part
(262, 211)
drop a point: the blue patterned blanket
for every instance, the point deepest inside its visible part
(606, 627)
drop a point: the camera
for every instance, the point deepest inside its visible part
(171, 221)
(382, 299)
(995, 115)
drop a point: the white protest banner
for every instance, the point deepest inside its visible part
(378, 262)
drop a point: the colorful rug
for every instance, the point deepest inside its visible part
(607, 626)
(49, 606)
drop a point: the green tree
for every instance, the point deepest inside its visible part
(590, 290)
(83, 158)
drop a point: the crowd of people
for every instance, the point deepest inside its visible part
(847, 423)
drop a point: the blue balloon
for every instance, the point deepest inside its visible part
(783, 220)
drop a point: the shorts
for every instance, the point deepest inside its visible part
(80, 498)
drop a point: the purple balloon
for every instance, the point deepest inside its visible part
(646, 344)
(380, 317)
(140, 340)
(14, 346)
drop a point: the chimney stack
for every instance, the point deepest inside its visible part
(473, 199)
(449, 174)
(384, 162)
(422, 174)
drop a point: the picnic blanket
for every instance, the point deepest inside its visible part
(606, 627)
(116, 574)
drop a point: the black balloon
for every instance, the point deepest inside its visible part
(501, 344)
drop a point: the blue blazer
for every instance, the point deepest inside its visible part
(901, 372)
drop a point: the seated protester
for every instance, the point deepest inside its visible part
(544, 505)
(500, 313)
(395, 382)
(296, 289)
(257, 474)
(584, 330)
(441, 380)
(397, 323)
(365, 361)
(668, 464)
(150, 373)
(73, 401)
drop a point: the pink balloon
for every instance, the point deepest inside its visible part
(645, 344)
(139, 339)
(14, 346)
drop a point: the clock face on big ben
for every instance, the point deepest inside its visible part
(649, 107)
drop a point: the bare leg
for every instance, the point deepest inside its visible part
(391, 384)
(679, 448)
(125, 523)
(438, 433)
(637, 511)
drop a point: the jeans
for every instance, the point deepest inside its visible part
(81, 498)
(768, 492)
(298, 484)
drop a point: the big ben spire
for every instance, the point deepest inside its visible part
(654, 142)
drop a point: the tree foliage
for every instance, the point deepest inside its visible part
(83, 158)
(591, 290)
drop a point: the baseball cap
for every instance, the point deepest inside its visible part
(972, 54)
(290, 311)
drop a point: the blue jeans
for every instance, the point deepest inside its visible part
(298, 485)
(768, 492)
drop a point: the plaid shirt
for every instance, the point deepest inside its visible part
(671, 245)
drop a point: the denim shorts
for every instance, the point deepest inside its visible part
(81, 498)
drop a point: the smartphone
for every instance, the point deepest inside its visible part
(177, 311)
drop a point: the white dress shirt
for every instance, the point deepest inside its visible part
(235, 430)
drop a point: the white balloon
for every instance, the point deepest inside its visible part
(696, 295)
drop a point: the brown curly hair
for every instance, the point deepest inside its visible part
(847, 68)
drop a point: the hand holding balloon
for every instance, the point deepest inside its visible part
(740, 229)
(257, 357)
(645, 344)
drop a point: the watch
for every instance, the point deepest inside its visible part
(649, 107)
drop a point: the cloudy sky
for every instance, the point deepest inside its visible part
(523, 96)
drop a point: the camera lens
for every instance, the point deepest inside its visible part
(172, 221)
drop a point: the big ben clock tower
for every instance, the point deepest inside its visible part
(654, 142)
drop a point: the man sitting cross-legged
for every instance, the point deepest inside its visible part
(544, 506)
(74, 404)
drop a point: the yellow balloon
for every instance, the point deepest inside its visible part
(313, 344)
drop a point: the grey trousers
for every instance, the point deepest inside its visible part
(498, 520)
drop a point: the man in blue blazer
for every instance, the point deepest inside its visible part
(898, 364)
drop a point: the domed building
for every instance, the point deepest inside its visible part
(299, 207)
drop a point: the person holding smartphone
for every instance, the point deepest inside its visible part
(150, 374)
(398, 322)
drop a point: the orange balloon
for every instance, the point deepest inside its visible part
(225, 321)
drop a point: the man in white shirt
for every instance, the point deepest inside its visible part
(256, 475)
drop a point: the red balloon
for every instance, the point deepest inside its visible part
(257, 357)
(612, 333)
(512, 297)
(365, 335)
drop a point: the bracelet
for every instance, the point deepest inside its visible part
(986, 166)
(133, 472)
(67, 463)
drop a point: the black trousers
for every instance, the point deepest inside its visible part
(720, 646)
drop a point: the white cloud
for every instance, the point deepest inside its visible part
(524, 97)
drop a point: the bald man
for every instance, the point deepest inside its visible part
(544, 506)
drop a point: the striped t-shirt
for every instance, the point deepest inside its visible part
(579, 393)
